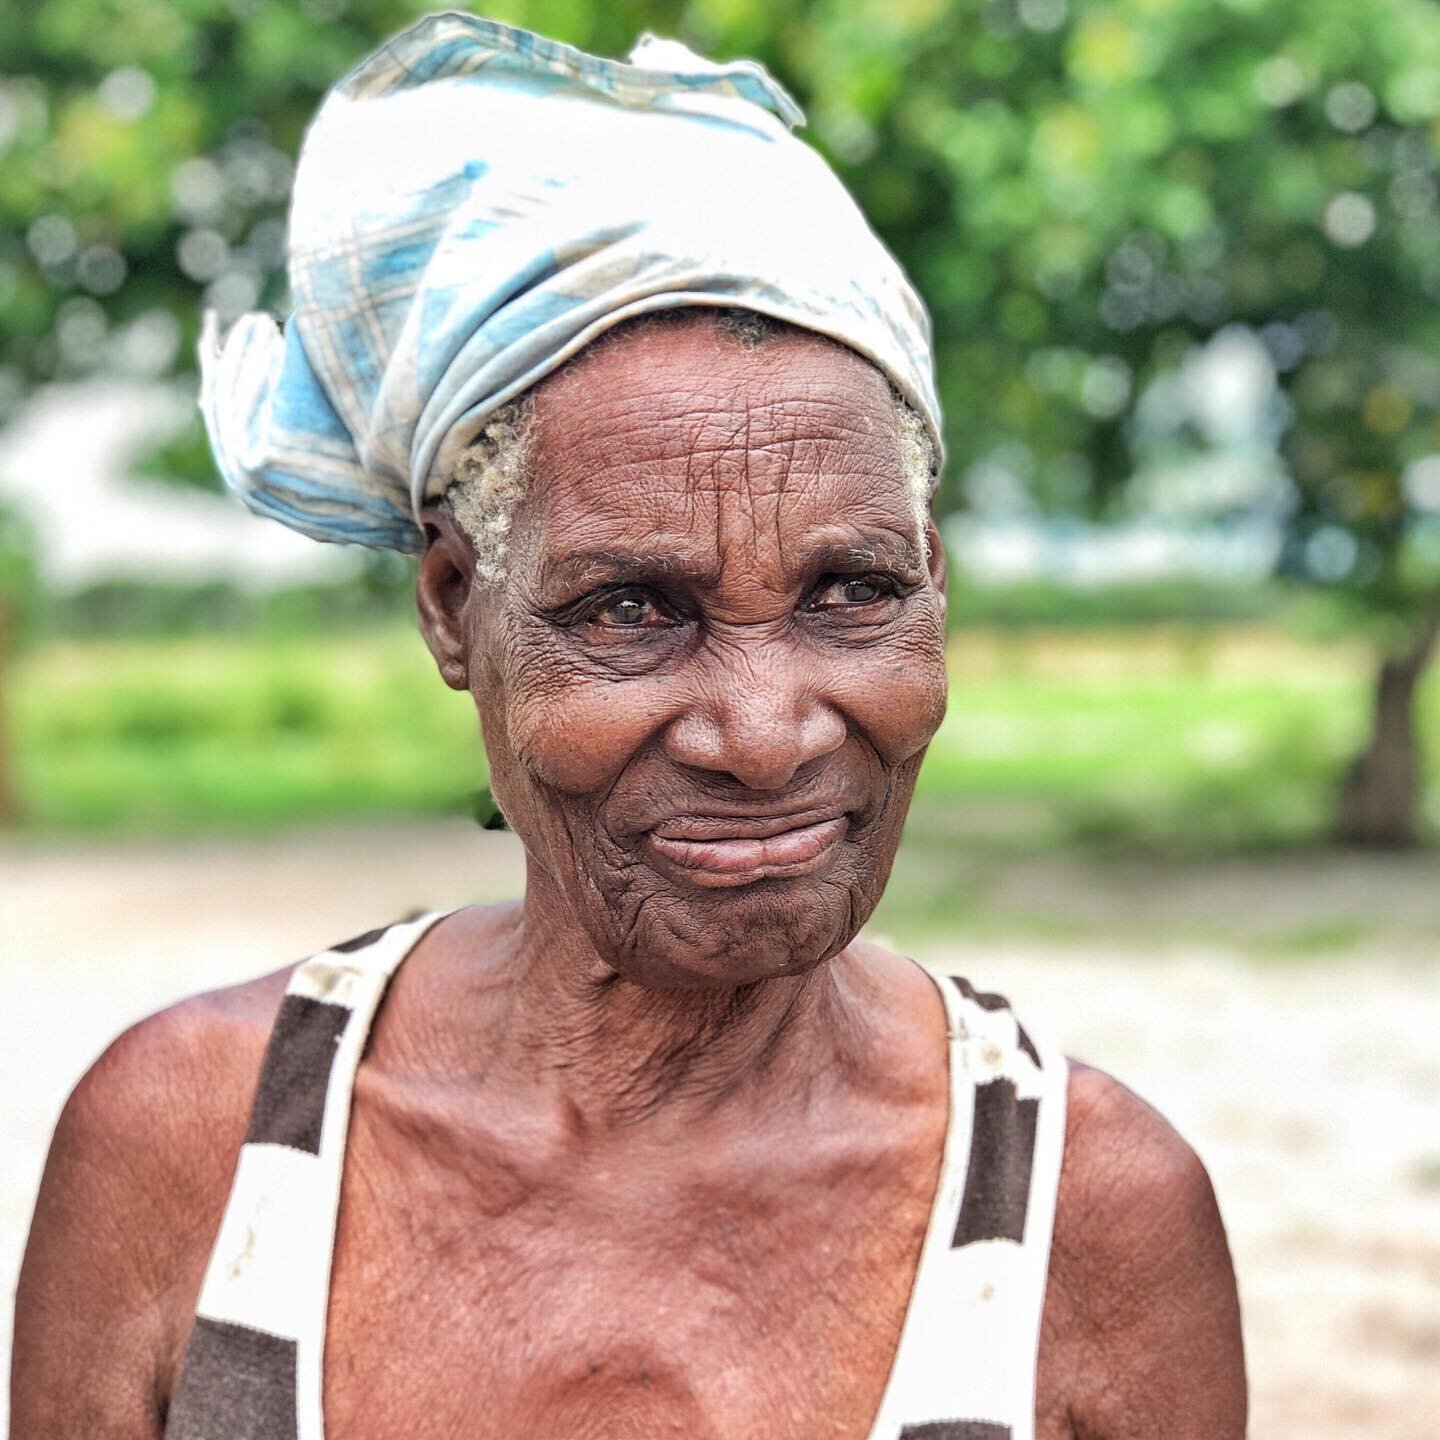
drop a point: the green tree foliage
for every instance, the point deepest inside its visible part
(1083, 190)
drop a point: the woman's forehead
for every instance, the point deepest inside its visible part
(680, 427)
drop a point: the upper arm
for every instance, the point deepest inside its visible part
(1143, 1320)
(133, 1185)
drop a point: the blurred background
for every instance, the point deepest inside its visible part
(1183, 259)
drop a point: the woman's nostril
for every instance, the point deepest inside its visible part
(762, 745)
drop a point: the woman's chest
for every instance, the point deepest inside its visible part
(617, 1303)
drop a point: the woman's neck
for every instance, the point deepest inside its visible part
(623, 1053)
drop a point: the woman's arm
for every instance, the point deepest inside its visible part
(1142, 1319)
(87, 1320)
(132, 1193)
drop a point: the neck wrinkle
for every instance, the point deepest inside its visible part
(623, 1054)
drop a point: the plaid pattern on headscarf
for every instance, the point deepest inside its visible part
(473, 205)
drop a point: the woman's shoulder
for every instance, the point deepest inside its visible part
(154, 1125)
(1141, 1320)
(172, 1093)
(1130, 1184)
(174, 1076)
(134, 1186)
(185, 1076)
(1142, 1297)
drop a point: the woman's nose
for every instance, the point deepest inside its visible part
(759, 727)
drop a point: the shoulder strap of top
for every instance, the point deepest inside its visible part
(253, 1365)
(965, 1368)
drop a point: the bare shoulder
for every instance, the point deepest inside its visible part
(134, 1186)
(1142, 1322)
(160, 1101)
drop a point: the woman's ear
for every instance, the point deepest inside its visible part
(442, 588)
(935, 557)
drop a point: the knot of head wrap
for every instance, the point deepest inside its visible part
(473, 205)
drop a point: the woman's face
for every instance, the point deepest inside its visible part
(709, 678)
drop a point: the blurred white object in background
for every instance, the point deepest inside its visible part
(65, 464)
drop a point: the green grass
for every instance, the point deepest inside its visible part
(1136, 739)
(1152, 740)
(165, 736)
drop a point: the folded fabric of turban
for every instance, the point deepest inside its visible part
(473, 205)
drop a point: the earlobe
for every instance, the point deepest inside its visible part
(442, 587)
(454, 674)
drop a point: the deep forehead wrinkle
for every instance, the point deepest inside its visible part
(701, 408)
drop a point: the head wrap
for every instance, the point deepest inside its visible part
(473, 204)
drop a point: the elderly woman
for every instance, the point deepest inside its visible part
(664, 1148)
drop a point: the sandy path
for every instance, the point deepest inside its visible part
(1312, 1091)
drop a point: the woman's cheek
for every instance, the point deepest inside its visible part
(578, 737)
(896, 697)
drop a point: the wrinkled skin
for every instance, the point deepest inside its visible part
(653, 1151)
(745, 513)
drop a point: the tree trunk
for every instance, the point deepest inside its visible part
(1379, 799)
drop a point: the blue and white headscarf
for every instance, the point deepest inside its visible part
(473, 205)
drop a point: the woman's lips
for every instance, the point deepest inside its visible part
(708, 855)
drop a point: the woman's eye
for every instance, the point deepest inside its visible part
(844, 593)
(626, 611)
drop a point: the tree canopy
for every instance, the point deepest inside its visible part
(1083, 190)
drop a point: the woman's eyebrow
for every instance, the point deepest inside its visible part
(581, 568)
(593, 567)
(893, 552)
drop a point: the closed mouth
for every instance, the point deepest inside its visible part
(738, 850)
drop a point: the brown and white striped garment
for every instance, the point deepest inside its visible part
(965, 1366)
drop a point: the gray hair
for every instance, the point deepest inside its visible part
(492, 471)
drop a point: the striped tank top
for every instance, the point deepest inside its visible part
(964, 1368)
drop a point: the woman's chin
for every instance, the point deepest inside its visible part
(738, 938)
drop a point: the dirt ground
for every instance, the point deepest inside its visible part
(1311, 1086)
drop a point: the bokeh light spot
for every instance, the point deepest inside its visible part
(1349, 219)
